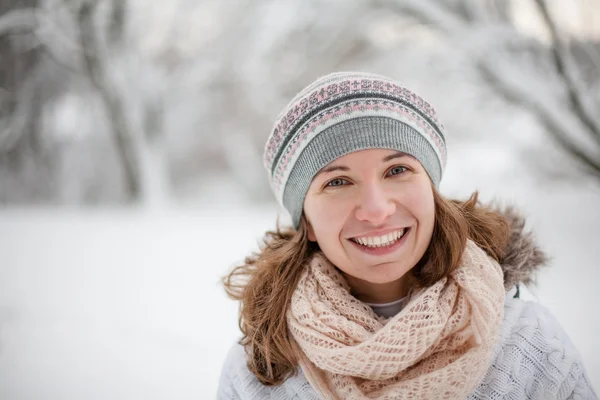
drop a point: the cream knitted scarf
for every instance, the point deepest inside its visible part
(439, 346)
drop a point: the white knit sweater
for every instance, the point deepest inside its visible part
(534, 359)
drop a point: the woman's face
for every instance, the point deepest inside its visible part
(372, 213)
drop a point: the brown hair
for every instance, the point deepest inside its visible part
(265, 282)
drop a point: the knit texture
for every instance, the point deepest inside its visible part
(345, 112)
(534, 359)
(439, 346)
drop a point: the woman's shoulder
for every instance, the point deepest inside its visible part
(534, 358)
(239, 383)
(533, 321)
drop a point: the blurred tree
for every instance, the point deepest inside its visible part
(26, 162)
(564, 98)
(582, 94)
(94, 65)
(83, 47)
(99, 107)
(135, 121)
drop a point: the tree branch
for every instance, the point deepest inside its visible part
(93, 64)
(15, 129)
(436, 16)
(545, 116)
(559, 55)
(18, 21)
(117, 21)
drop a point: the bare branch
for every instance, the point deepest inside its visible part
(559, 55)
(517, 95)
(19, 83)
(18, 21)
(88, 43)
(93, 64)
(117, 21)
(594, 56)
(14, 130)
(48, 25)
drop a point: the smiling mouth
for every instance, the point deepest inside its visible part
(374, 242)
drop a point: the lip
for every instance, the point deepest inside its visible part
(380, 232)
(380, 251)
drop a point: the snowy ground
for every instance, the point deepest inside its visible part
(127, 305)
(117, 305)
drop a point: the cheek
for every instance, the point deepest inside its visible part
(422, 205)
(327, 218)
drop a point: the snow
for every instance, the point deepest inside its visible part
(118, 304)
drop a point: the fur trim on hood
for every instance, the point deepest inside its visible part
(522, 258)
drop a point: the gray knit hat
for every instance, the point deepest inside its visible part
(345, 112)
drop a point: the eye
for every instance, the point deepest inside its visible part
(397, 170)
(336, 182)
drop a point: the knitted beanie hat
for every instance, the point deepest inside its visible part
(345, 112)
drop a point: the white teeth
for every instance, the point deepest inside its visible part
(381, 241)
(385, 240)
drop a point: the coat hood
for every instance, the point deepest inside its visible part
(522, 258)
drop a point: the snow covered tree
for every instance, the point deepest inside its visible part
(78, 49)
(557, 80)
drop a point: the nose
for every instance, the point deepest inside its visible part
(374, 205)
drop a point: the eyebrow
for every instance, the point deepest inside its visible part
(398, 154)
(333, 168)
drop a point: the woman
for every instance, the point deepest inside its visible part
(383, 288)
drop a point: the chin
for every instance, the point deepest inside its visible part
(382, 276)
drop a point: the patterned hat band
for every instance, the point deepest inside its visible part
(345, 112)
